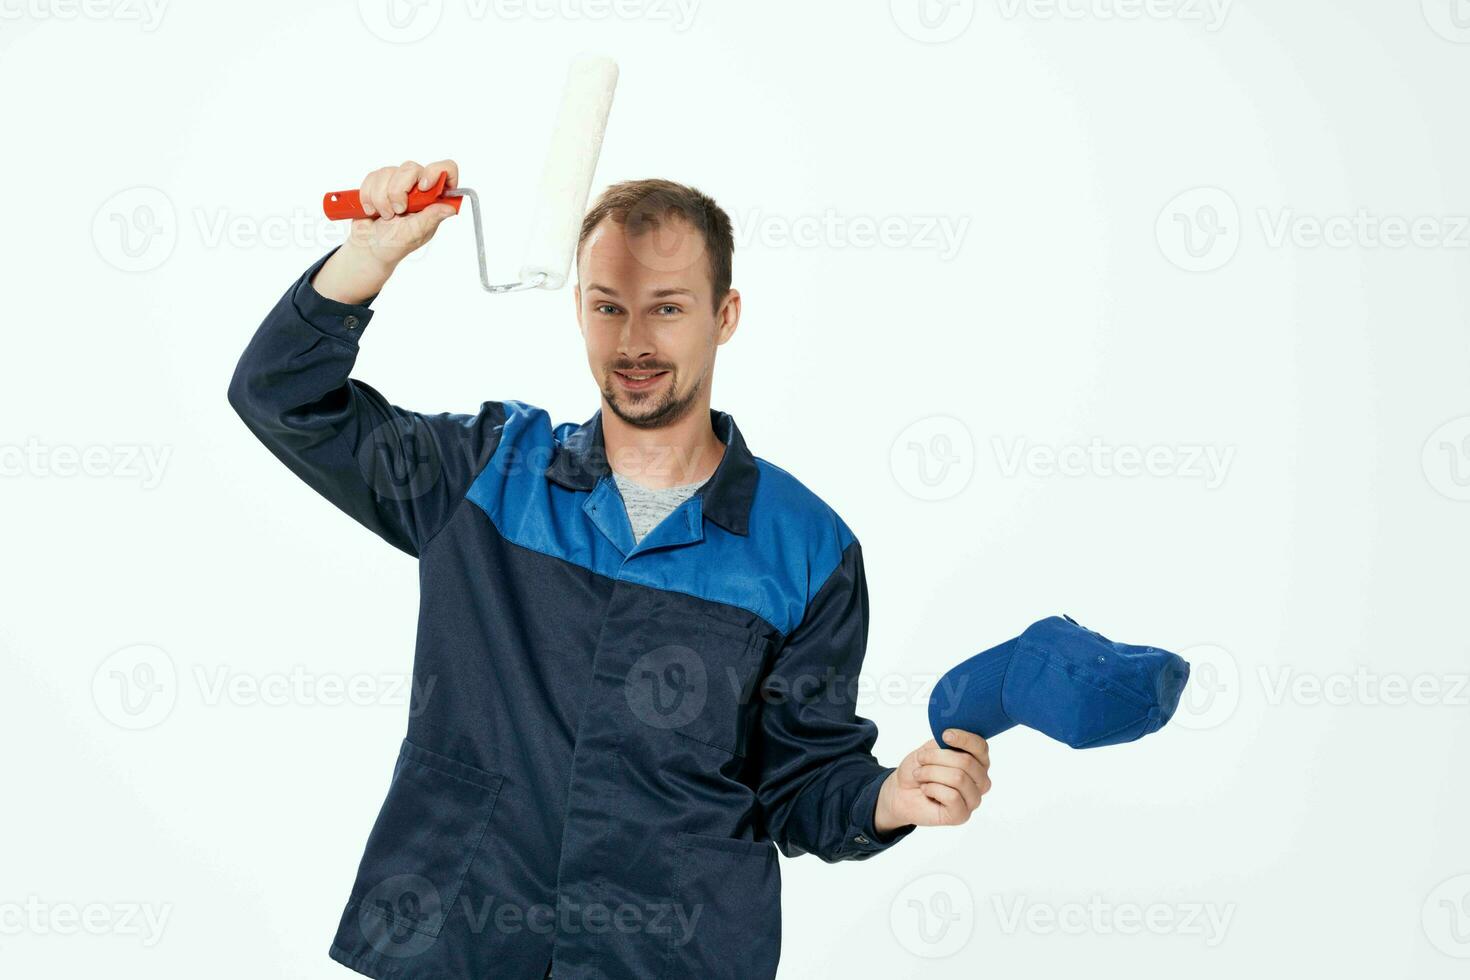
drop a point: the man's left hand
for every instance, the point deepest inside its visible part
(935, 786)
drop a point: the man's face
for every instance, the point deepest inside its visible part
(645, 311)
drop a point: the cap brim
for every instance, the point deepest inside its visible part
(969, 696)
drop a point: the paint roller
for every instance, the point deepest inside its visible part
(576, 143)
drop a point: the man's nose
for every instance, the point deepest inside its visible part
(635, 340)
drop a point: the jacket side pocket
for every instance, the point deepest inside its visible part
(420, 848)
(727, 914)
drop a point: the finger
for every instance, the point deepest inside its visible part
(973, 784)
(953, 809)
(421, 225)
(934, 756)
(400, 183)
(428, 220)
(968, 785)
(432, 171)
(368, 193)
(375, 192)
(968, 742)
(953, 759)
(380, 193)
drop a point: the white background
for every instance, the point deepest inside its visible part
(1132, 192)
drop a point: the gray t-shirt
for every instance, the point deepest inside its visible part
(649, 505)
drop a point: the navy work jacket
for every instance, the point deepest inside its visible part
(609, 741)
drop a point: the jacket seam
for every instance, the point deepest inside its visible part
(613, 578)
(465, 495)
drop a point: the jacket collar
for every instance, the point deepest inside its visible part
(580, 460)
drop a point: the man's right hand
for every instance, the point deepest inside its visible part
(377, 243)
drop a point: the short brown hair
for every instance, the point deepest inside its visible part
(640, 205)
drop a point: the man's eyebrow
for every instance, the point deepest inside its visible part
(657, 293)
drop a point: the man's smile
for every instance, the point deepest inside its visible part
(639, 380)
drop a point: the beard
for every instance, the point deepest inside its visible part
(654, 409)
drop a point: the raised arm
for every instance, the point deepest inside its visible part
(397, 472)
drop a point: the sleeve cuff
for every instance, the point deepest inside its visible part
(863, 839)
(342, 321)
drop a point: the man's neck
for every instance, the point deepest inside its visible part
(684, 451)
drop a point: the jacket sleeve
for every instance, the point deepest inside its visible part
(818, 781)
(399, 473)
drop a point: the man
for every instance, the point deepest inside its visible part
(638, 643)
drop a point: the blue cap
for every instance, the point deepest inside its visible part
(1064, 680)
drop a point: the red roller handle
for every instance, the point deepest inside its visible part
(347, 204)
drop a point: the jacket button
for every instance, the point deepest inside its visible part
(350, 322)
(859, 839)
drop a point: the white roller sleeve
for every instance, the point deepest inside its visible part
(576, 143)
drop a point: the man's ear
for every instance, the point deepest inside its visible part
(577, 298)
(729, 317)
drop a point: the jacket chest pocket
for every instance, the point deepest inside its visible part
(696, 679)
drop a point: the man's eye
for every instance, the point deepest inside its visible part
(606, 309)
(668, 309)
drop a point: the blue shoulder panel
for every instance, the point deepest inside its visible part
(795, 541)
